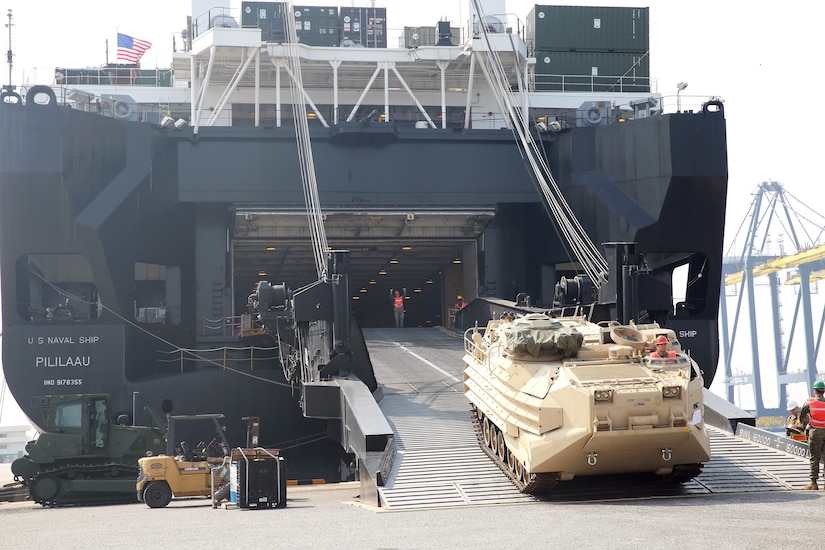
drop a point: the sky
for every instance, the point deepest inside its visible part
(761, 58)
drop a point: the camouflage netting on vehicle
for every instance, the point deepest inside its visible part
(539, 339)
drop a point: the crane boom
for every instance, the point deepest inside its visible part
(781, 263)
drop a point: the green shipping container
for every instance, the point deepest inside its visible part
(267, 16)
(584, 28)
(255, 14)
(592, 72)
(365, 27)
(317, 26)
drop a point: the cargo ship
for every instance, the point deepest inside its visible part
(140, 208)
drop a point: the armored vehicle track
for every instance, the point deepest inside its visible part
(85, 484)
(492, 443)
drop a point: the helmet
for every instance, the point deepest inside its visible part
(792, 405)
(661, 339)
(459, 297)
(819, 385)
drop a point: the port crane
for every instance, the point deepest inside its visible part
(776, 220)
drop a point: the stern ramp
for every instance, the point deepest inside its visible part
(438, 462)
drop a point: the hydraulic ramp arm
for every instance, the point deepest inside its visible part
(323, 350)
(315, 329)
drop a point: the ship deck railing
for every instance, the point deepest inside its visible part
(126, 75)
(235, 358)
(590, 83)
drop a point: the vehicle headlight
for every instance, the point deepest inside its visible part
(671, 392)
(603, 396)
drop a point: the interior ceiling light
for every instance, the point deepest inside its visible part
(372, 281)
(271, 248)
(356, 297)
(408, 247)
(262, 274)
(417, 290)
(394, 261)
(456, 260)
(382, 272)
(429, 281)
(363, 290)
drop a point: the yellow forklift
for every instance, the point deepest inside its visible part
(186, 473)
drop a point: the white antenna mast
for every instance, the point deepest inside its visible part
(9, 56)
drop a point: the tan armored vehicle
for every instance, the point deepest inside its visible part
(555, 398)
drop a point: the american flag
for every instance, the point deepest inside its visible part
(130, 50)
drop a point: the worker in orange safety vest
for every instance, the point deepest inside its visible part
(398, 306)
(813, 414)
(794, 428)
(661, 350)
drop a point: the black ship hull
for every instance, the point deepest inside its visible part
(120, 272)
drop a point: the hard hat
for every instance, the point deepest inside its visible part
(661, 339)
(819, 385)
(792, 405)
(458, 297)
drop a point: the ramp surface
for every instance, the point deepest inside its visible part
(439, 462)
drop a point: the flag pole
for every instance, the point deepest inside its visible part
(107, 52)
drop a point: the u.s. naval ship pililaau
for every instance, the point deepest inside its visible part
(140, 208)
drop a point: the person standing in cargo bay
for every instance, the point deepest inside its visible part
(813, 413)
(398, 307)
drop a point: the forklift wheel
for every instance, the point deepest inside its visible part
(157, 494)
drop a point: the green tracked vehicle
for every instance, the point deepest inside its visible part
(82, 457)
